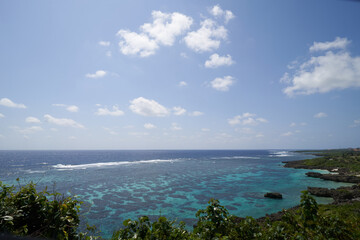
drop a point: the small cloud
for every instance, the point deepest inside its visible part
(28, 130)
(184, 55)
(338, 43)
(70, 108)
(287, 134)
(207, 38)
(175, 127)
(110, 131)
(2, 115)
(205, 130)
(97, 74)
(356, 123)
(149, 126)
(303, 124)
(8, 103)
(246, 119)
(217, 61)
(66, 122)
(108, 54)
(106, 112)
(292, 124)
(72, 138)
(259, 135)
(104, 43)
(196, 114)
(222, 84)
(178, 111)
(320, 115)
(32, 120)
(216, 11)
(148, 107)
(182, 84)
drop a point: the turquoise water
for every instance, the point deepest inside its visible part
(117, 185)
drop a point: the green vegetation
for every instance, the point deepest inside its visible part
(348, 159)
(28, 212)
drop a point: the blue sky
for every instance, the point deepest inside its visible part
(179, 74)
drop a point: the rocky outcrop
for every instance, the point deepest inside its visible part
(274, 195)
(335, 177)
(340, 195)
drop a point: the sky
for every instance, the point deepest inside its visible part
(139, 74)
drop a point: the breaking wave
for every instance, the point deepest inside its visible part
(110, 164)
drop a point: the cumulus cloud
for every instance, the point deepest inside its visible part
(196, 114)
(62, 121)
(97, 74)
(167, 26)
(28, 130)
(147, 107)
(8, 103)
(287, 134)
(178, 111)
(106, 112)
(104, 43)
(326, 72)
(320, 115)
(222, 84)
(182, 84)
(216, 11)
(338, 43)
(217, 61)
(356, 123)
(207, 38)
(246, 119)
(32, 120)
(175, 127)
(162, 31)
(70, 108)
(149, 126)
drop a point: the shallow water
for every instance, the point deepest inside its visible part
(117, 185)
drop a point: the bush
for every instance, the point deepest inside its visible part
(38, 214)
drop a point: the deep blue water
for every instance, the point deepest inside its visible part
(117, 185)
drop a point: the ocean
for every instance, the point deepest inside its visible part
(118, 185)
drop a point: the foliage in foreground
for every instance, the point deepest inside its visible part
(50, 215)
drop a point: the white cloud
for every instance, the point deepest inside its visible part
(108, 54)
(216, 11)
(167, 26)
(207, 38)
(146, 107)
(32, 120)
(222, 84)
(106, 112)
(292, 124)
(320, 115)
(133, 43)
(196, 114)
(178, 111)
(70, 108)
(149, 126)
(62, 121)
(205, 130)
(259, 135)
(2, 115)
(163, 30)
(97, 74)
(287, 134)
(246, 119)
(217, 61)
(104, 43)
(324, 73)
(356, 123)
(8, 103)
(110, 131)
(28, 130)
(175, 127)
(182, 84)
(184, 55)
(338, 43)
